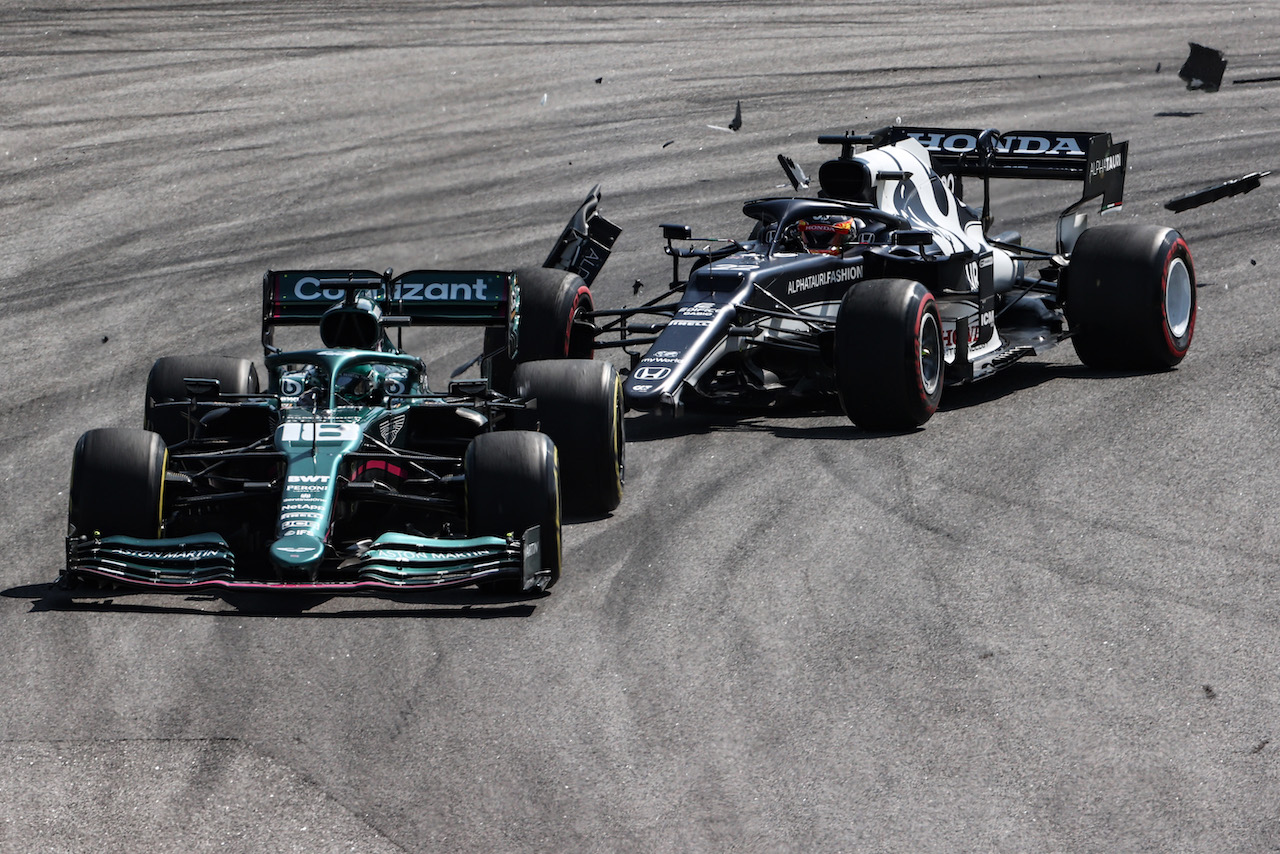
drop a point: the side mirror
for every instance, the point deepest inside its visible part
(676, 232)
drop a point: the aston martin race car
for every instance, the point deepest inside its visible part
(344, 471)
(888, 286)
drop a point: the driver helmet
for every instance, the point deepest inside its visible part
(828, 234)
(359, 385)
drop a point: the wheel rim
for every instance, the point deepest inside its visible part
(929, 356)
(1177, 298)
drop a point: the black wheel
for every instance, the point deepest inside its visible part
(117, 483)
(1131, 297)
(513, 483)
(579, 405)
(550, 302)
(166, 382)
(888, 354)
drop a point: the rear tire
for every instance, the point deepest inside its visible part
(1131, 297)
(550, 301)
(580, 406)
(117, 483)
(513, 484)
(166, 383)
(888, 354)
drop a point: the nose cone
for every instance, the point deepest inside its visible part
(297, 554)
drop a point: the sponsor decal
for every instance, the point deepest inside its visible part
(308, 289)
(1105, 165)
(639, 388)
(683, 322)
(404, 556)
(301, 514)
(308, 478)
(987, 318)
(148, 554)
(645, 372)
(294, 550)
(959, 143)
(826, 277)
(702, 309)
(971, 275)
(291, 387)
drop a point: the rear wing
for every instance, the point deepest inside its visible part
(415, 298)
(1088, 157)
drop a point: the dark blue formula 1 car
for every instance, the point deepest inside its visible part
(887, 286)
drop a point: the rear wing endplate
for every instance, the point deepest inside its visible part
(586, 241)
(1089, 157)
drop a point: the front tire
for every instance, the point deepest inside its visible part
(889, 358)
(580, 406)
(513, 484)
(117, 483)
(1131, 297)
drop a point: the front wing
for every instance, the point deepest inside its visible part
(394, 562)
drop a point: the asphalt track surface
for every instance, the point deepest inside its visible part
(1049, 621)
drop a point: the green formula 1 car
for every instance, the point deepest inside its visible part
(344, 471)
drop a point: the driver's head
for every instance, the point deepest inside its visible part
(827, 235)
(359, 385)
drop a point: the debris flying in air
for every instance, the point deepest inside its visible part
(1204, 68)
(1235, 187)
(734, 125)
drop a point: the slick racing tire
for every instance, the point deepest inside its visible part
(550, 302)
(579, 405)
(166, 383)
(888, 354)
(1131, 297)
(513, 484)
(117, 483)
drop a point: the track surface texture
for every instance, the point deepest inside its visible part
(1048, 621)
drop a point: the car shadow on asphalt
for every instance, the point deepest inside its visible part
(778, 419)
(465, 603)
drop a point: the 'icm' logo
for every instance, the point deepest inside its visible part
(646, 372)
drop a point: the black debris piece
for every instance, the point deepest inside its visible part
(1234, 187)
(1177, 114)
(733, 125)
(668, 142)
(1204, 68)
(1157, 68)
(599, 79)
(1255, 80)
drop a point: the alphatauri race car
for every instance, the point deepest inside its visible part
(344, 471)
(887, 286)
